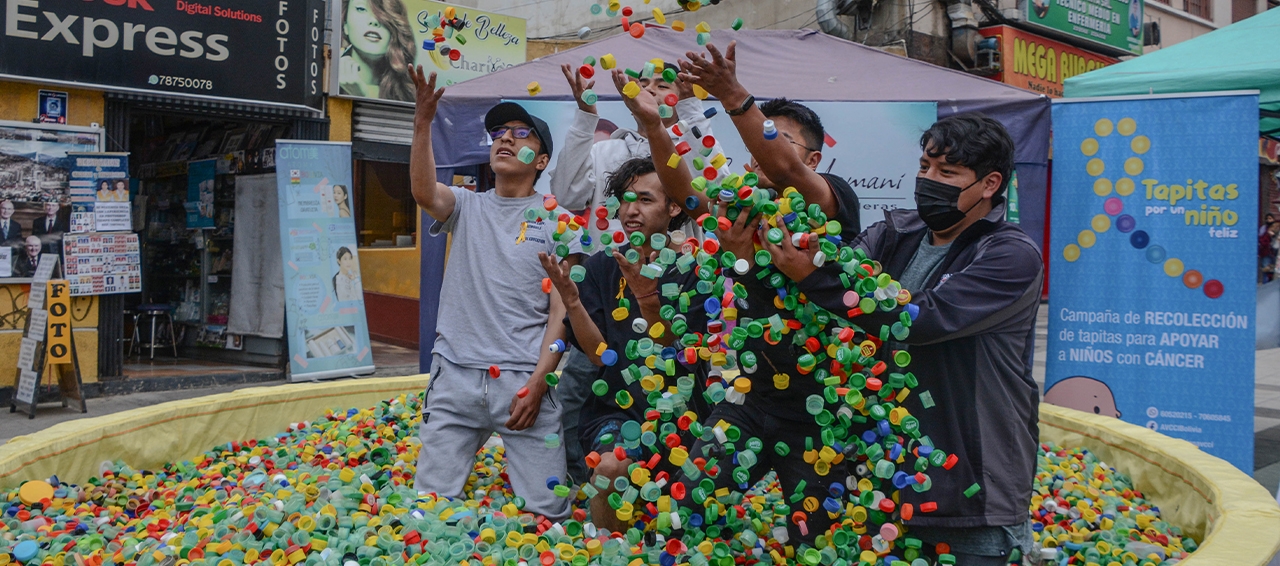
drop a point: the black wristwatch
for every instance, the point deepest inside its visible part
(746, 105)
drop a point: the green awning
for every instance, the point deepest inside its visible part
(1242, 56)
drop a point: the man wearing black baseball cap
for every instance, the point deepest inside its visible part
(495, 325)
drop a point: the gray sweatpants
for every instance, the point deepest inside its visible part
(464, 407)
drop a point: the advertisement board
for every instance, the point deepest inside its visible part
(1153, 264)
(233, 49)
(1113, 23)
(324, 299)
(1039, 64)
(375, 42)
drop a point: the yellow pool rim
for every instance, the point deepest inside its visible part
(1236, 519)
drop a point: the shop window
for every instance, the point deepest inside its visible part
(1200, 8)
(385, 209)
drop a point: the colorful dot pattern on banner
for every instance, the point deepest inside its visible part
(1114, 206)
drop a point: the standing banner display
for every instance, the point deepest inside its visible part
(878, 151)
(1152, 268)
(324, 300)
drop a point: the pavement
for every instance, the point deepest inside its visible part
(402, 361)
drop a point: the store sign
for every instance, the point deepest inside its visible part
(1115, 23)
(1153, 265)
(368, 52)
(58, 338)
(268, 51)
(1038, 64)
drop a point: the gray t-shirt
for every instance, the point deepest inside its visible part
(925, 261)
(492, 308)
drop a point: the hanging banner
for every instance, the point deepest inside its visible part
(877, 151)
(1152, 265)
(324, 300)
(373, 34)
(199, 205)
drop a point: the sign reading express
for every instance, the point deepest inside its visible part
(1038, 64)
(243, 49)
(1115, 23)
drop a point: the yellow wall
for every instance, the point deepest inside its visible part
(339, 119)
(392, 271)
(19, 102)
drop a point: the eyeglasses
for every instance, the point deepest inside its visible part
(520, 132)
(794, 142)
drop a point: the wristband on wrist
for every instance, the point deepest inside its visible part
(746, 105)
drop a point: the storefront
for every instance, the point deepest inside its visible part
(196, 95)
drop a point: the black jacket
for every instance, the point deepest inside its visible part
(971, 347)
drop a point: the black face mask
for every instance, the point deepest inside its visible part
(939, 203)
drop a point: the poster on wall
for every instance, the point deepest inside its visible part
(102, 264)
(324, 299)
(478, 43)
(878, 151)
(1153, 265)
(37, 162)
(99, 193)
(1112, 23)
(200, 183)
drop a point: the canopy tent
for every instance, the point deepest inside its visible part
(1241, 56)
(804, 65)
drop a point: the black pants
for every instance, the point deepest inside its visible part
(791, 468)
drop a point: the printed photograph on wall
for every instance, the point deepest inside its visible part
(36, 166)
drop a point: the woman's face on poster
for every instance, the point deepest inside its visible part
(364, 31)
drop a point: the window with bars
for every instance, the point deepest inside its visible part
(1200, 8)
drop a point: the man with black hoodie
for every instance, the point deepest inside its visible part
(976, 280)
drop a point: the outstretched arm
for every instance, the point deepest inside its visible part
(585, 331)
(677, 181)
(573, 181)
(717, 74)
(430, 194)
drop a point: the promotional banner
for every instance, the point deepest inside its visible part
(877, 144)
(1114, 23)
(1153, 265)
(239, 49)
(1039, 64)
(371, 45)
(324, 300)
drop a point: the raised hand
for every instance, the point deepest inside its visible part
(578, 85)
(559, 275)
(428, 98)
(739, 237)
(717, 73)
(642, 106)
(640, 285)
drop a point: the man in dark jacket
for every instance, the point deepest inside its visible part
(976, 280)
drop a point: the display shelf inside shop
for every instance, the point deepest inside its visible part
(191, 269)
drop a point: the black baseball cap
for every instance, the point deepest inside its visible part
(509, 111)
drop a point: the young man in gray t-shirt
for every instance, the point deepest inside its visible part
(495, 324)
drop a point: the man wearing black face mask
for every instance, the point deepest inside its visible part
(976, 280)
